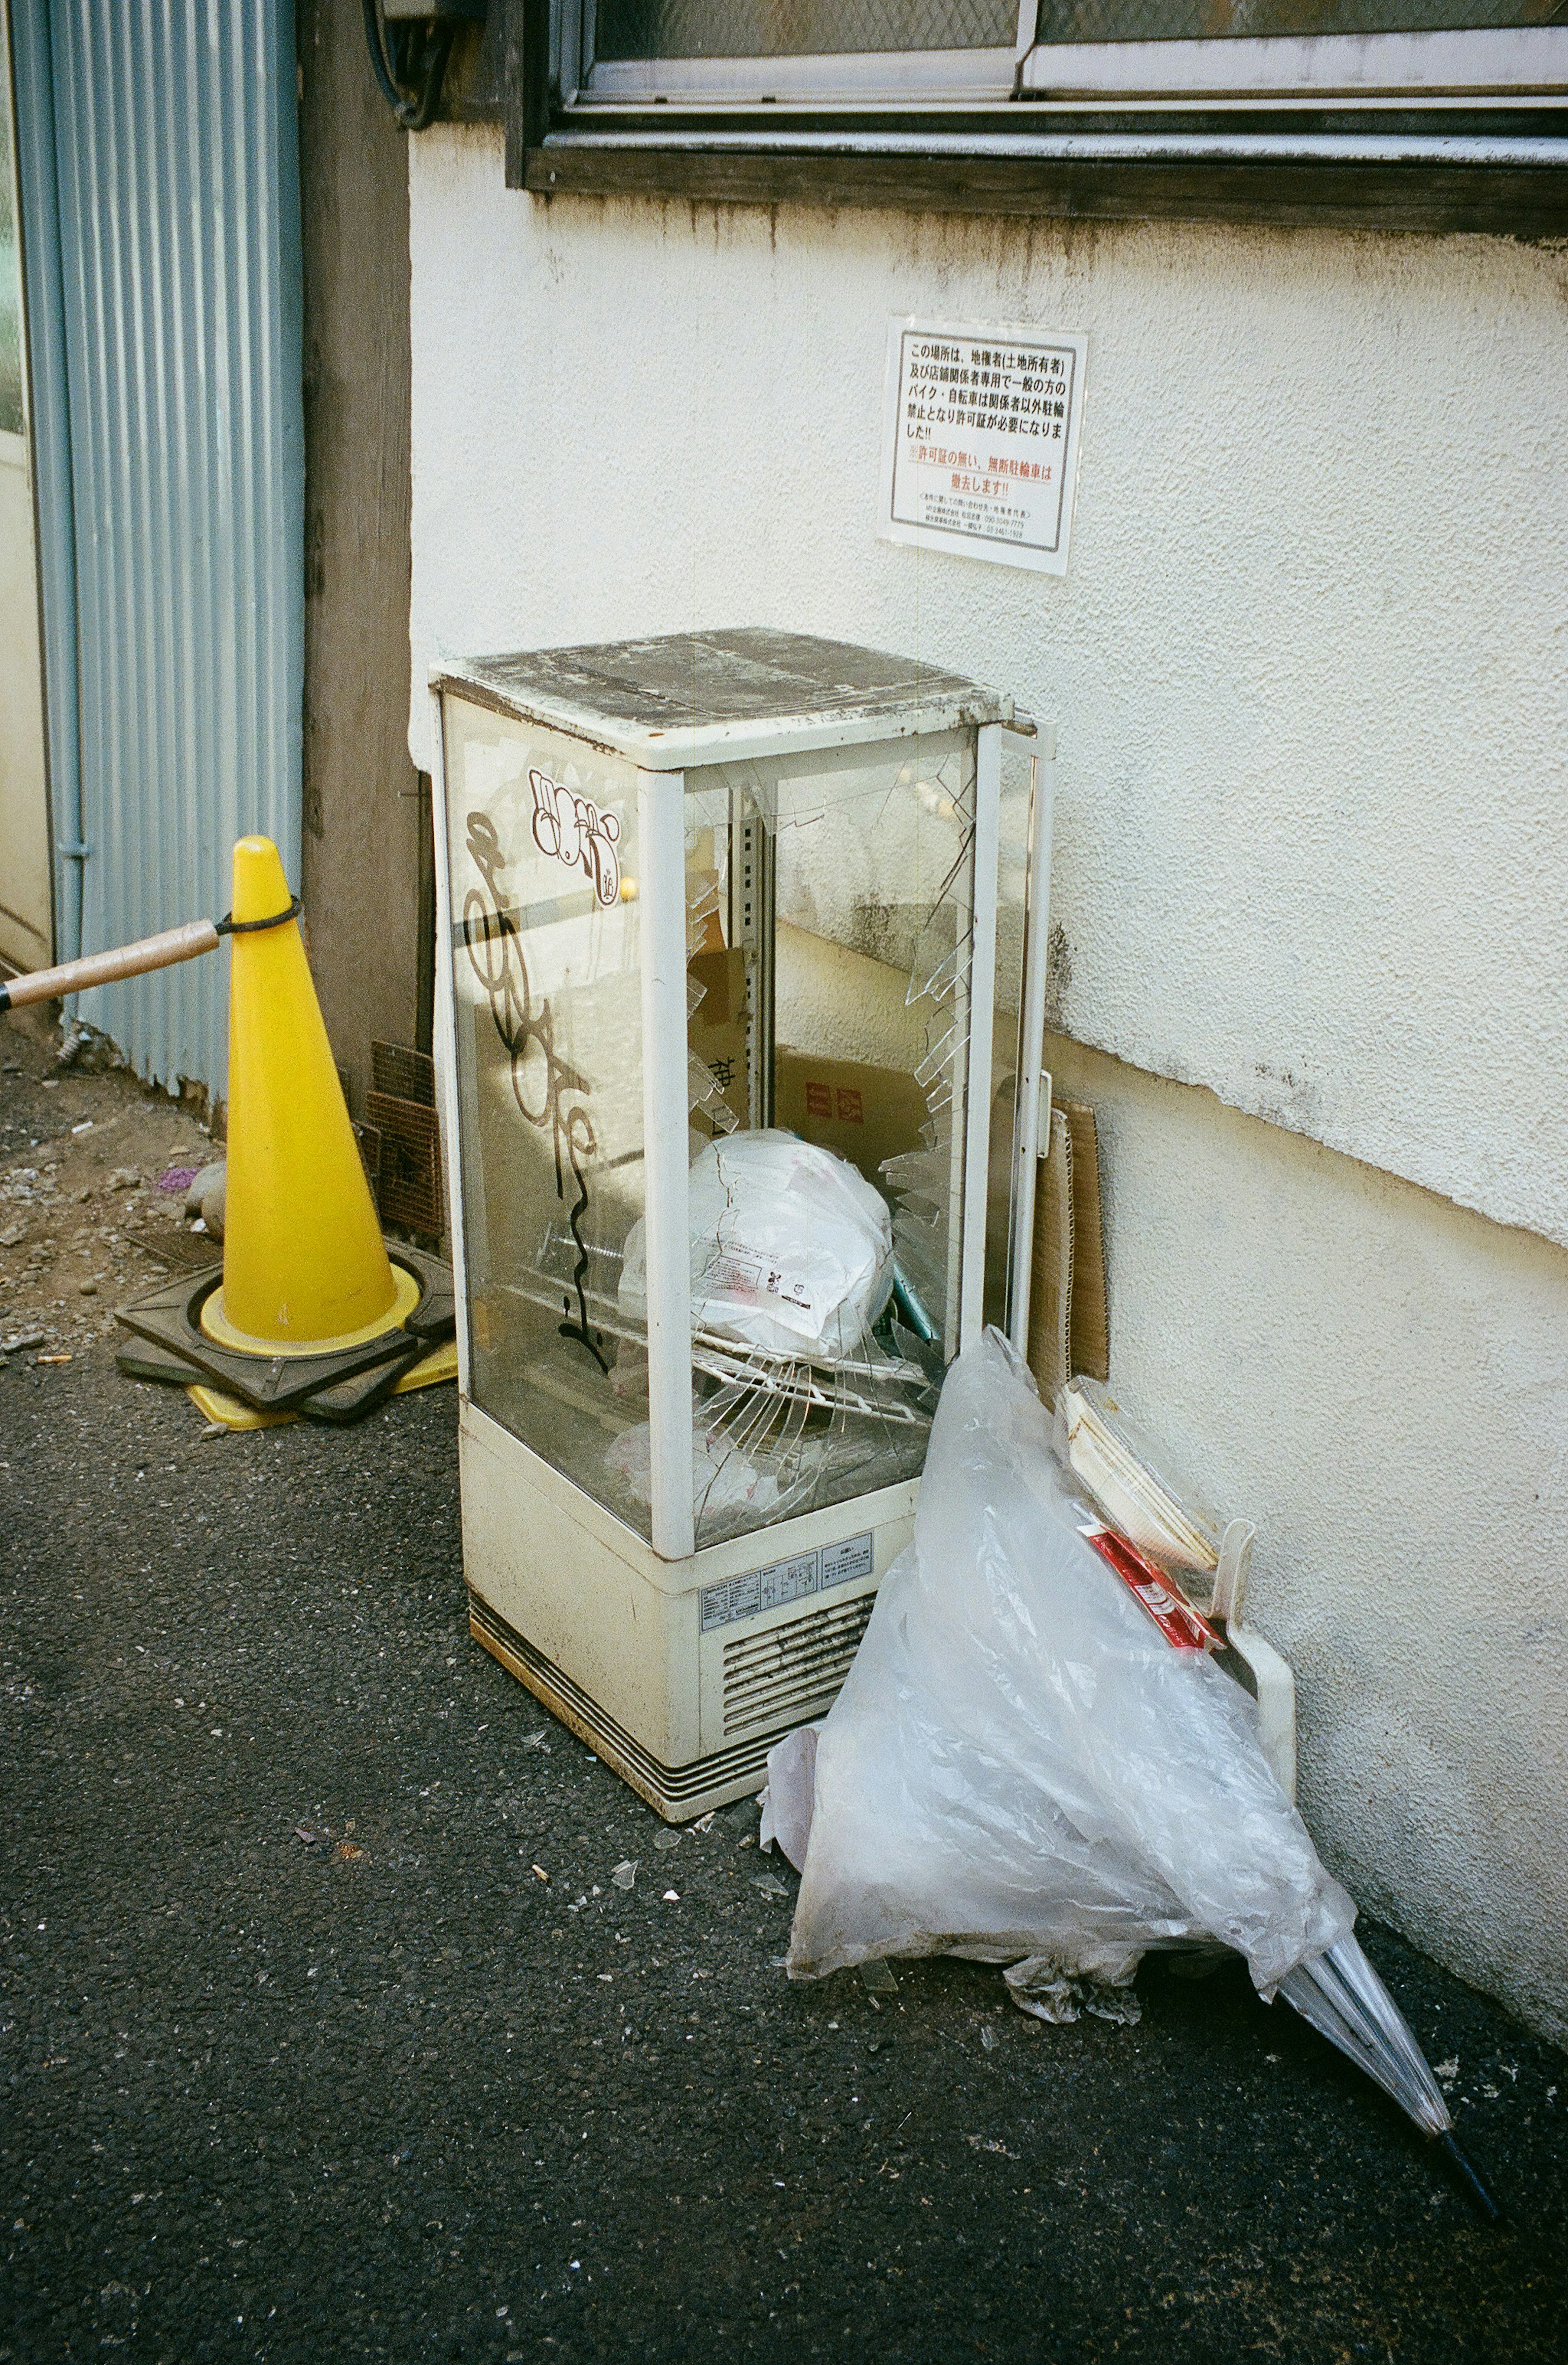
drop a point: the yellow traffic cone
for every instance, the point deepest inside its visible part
(308, 1315)
(305, 1272)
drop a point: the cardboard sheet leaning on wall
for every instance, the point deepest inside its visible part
(1069, 1325)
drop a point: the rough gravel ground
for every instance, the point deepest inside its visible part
(427, 2084)
(81, 1152)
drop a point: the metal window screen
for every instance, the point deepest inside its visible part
(411, 1075)
(1069, 23)
(798, 28)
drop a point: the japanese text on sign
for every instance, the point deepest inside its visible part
(981, 442)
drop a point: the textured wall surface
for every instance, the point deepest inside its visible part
(1310, 851)
(1380, 1380)
(1308, 662)
(362, 806)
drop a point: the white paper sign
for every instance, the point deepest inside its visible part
(980, 442)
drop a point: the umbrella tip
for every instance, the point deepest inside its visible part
(1475, 2190)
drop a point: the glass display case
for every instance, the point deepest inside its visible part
(721, 1077)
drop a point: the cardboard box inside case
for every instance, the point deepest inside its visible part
(861, 1112)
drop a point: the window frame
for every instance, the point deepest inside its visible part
(850, 78)
(1442, 130)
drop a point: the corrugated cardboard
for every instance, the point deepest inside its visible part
(716, 1030)
(866, 1114)
(1090, 1315)
(1068, 1330)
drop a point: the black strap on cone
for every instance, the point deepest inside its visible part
(229, 927)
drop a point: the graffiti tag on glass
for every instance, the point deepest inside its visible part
(527, 1030)
(572, 829)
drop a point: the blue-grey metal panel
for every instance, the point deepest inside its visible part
(178, 196)
(49, 421)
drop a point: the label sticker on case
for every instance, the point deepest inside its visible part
(784, 1581)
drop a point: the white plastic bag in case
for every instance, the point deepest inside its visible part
(791, 1248)
(723, 1478)
(1020, 1767)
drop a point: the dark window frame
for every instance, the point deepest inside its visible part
(1431, 161)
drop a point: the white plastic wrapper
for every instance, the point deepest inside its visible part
(722, 1477)
(791, 1248)
(1020, 1768)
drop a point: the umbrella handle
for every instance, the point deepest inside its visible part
(181, 944)
(1473, 2185)
(1271, 1672)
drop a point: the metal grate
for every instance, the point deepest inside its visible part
(407, 1075)
(171, 1245)
(407, 1186)
(781, 1675)
(400, 1110)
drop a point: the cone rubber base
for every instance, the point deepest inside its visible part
(170, 1342)
(216, 1326)
(215, 1404)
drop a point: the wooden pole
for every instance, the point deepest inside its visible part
(104, 968)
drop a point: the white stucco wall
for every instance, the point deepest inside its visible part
(1312, 846)
(1308, 661)
(1380, 1380)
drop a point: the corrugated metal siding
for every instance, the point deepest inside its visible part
(178, 201)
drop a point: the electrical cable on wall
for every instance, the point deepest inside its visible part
(410, 59)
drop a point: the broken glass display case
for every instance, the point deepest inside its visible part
(718, 1038)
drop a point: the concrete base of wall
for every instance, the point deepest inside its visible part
(1380, 1379)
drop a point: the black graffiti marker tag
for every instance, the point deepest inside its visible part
(527, 1032)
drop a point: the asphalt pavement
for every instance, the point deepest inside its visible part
(326, 2032)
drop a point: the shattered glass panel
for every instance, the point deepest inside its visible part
(829, 929)
(1014, 830)
(829, 926)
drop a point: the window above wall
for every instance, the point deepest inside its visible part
(1447, 113)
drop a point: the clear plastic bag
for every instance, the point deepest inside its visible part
(1033, 1761)
(724, 1481)
(791, 1248)
(1020, 1767)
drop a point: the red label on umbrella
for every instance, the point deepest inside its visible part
(1160, 1593)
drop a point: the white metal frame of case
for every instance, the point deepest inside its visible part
(661, 824)
(610, 1631)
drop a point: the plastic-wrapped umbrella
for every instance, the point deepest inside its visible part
(1038, 1760)
(1337, 1991)
(1342, 1996)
